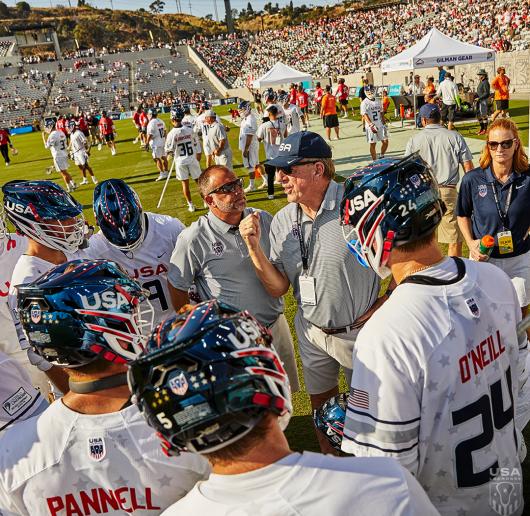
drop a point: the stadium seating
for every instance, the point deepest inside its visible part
(343, 45)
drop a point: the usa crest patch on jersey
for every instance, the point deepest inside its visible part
(96, 448)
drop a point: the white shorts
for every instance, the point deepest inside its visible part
(225, 160)
(323, 355)
(60, 163)
(158, 152)
(186, 171)
(379, 136)
(252, 160)
(518, 269)
(283, 343)
(80, 158)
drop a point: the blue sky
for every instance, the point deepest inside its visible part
(198, 7)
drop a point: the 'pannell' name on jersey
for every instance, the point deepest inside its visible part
(480, 356)
(101, 501)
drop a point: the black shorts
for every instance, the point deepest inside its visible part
(109, 137)
(343, 102)
(86, 132)
(331, 121)
(448, 113)
(502, 105)
(304, 110)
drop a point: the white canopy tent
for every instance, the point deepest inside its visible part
(280, 73)
(437, 49)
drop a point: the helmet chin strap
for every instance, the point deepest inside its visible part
(108, 382)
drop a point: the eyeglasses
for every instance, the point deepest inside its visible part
(227, 188)
(288, 170)
(506, 144)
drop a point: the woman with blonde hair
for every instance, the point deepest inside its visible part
(494, 199)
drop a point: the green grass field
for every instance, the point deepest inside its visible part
(138, 169)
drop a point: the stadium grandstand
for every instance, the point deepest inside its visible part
(345, 44)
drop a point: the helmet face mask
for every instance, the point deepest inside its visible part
(119, 214)
(207, 378)
(84, 310)
(245, 108)
(369, 91)
(45, 213)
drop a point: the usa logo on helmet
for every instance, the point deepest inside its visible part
(178, 384)
(35, 314)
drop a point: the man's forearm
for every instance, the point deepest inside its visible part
(179, 298)
(464, 223)
(274, 281)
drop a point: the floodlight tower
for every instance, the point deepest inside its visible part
(228, 18)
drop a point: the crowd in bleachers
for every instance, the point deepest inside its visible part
(88, 85)
(22, 97)
(346, 44)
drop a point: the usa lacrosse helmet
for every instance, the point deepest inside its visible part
(119, 214)
(208, 377)
(44, 212)
(244, 107)
(387, 204)
(329, 419)
(177, 113)
(152, 113)
(83, 310)
(369, 91)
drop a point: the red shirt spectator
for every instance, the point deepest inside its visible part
(83, 126)
(136, 118)
(4, 137)
(61, 125)
(143, 119)
(319, 93)
(106, 125)
(342, 91)
(292, 95)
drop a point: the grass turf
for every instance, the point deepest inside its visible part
(138, 169)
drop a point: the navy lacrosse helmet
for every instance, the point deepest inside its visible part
(177, 113)
(245, 107)
(44, 212)
(119, 214)
(83, 310)
(369, 91)
(329, 419)
(153, 112)
(208, 377)
(387, 204)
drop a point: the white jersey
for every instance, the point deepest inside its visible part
(149, 263)
(203, 127)
(435, 385)
(11, 249)
(216, 133)
(64, 463)
(271, 133)
(19, 400)
(292, 118)
(248, 127)
(157, 130)
(78, 142)
(184, 144)
(310, 484)
(373, 109)
(57, 144)
(27, 269)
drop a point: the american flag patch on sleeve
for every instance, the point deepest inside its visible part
(359, 399)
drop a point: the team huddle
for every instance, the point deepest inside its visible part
(167, 398)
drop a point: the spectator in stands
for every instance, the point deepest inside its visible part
(501, 85)
(483, 96)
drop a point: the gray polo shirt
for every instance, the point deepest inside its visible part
(215, 258)
(216, 133)
(443, 150)
(344, 289)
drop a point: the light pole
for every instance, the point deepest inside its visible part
(228, 17)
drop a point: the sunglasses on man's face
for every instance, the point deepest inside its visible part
(506, 144)
(289, 170)
(227, 188)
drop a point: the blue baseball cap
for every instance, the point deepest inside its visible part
(429, 111)
(298, 146)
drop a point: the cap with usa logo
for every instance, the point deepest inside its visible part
(298, 146)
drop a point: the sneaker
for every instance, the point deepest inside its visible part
(191, 207)
(84, 182)
(73, 185)
(270, 197)
(69, 189)
(161, 176)
(113, 152)
(94, 180)
(7, 164)
(135, 141)
(99, 146)
(249, 189)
